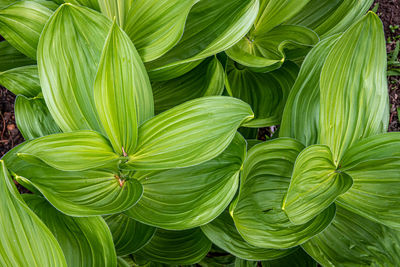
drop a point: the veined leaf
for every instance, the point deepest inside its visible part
(83, 193)
(21, 81)
(207, 79)
(176, 137)
(33, 118)
(257, 210)
(211, 27)
(316, 183)
(74, 36)
(156, 26)
(122, 92)
(222, 232)
(116, 10)
(25, 240)
(352, 240)
(11, 58)
(184, 198)
(6, 3)
(74, 151)
(22, 23)
(299, 258)
(93, 4)
(84, 241)
(300, 118)
(128, 235)
(354, 74)
(176, 247)
(266, 93)
(374, 165)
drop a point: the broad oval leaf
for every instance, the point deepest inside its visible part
(129, 235)
(374, 165)
(184, 198)
(176, 247)
(266, 93)
(211, 27)
(33, 118)
(84, 241)
(207, 79)
(176, 137)
(22, 23)
(25, 239)
(156, 26)
(74, 36)
(122, 91)
(354, 74)
(222, 232)
(83, 193)
(300, 119)
(352, 240)
(316, 183)
(11, 58)
(21, 81)
(74, 151)
(257, 210)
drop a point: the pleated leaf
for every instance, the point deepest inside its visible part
(354, 74)
(207, 79)
(74, 36)
(300, 119)
(176, 138)
(128, 235)
(176, 247)
(122, 91)
(211, 27)
(93, 4)
(184, 198)
(257, 210)
(222, 232)
(33, 118)
(316, 183)
(25, 239)
(22, 23)
(266, 93)
(75, 151)
(352, 240)
(21, 81)
(83, 193)
(11, 58)
(85, 241)
(156, 26)
(116, 9)
(374, 165)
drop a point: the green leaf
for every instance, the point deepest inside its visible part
(84, 241)
(266, 93)
(207, 79)
(374, 165)
(22, 23)
(116, 10)
(183, 198)
(222, 232)
(21, 81)
(156, 26)
(74, 151)
(300, 118)
(84, 193)
(316, 183)
(93, 4)
(128, 234)
(122, 92)
(25, 239)
(6, 3)
(211, 27)
(11, 58)
(257, 211)
(354, 74)
(352, 240)
(330, 17)
(176, 247)
(74, 36)
(33, 118)
(176, 137)
(297, 259)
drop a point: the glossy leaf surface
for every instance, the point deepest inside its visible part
(21, 81)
